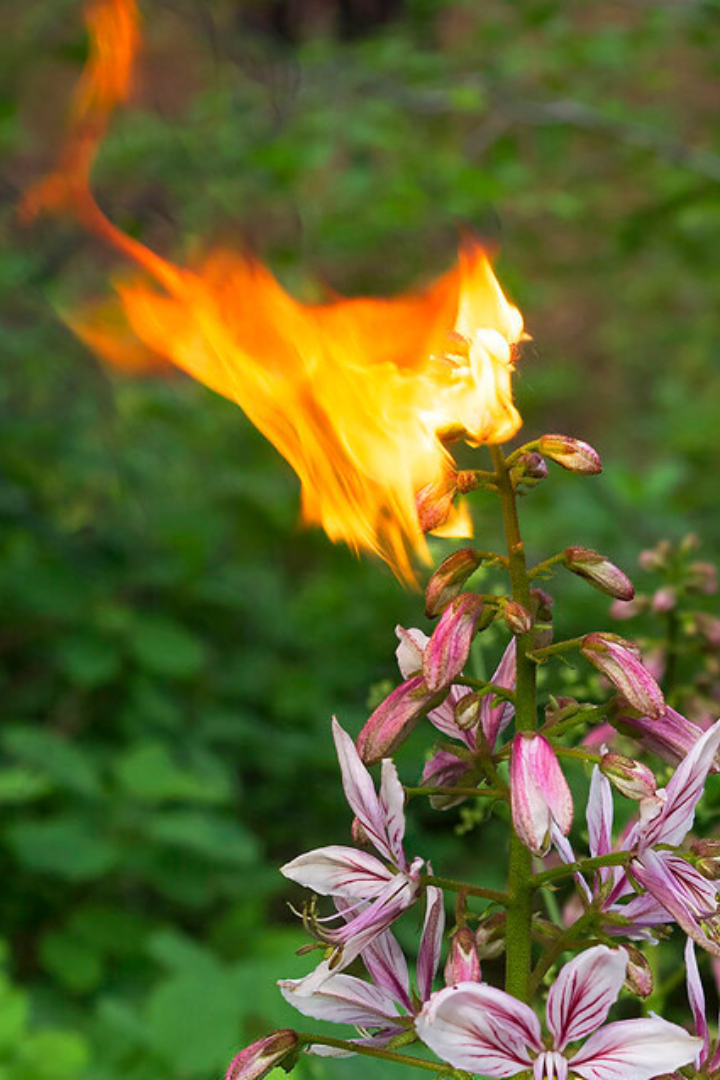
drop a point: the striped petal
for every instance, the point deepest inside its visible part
(383, 818)
(635, 1050)
(683, 793)
(584, 992)
(696, 997)
(431, 942)
(339, 871)
(343, 999)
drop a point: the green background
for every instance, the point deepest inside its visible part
(172, 643)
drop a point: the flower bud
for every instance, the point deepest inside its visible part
(462, 964)
(447, 650)
(600, 572)
(518, 619)
(707, 854)
(709, 628)
(467, 711)
(539, 794)
(529, 469)
(630, 777)
(617, 660)
(490, 936)
(670, 736)
(628, 609)
(434, 501)
(257, 1060)
(638, 974)
(702, 578)
(544, 604)
(664, 600)
(393, 720)
(572, 454)
(655, 559)
(410, 651)
(446, 770)
(448, 580)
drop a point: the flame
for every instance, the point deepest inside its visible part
(354, 393)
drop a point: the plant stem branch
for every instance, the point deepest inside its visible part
(466, 792)
(582, 866)
(369, 1051)
(468, 890)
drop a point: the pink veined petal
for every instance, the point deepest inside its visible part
(600, 814)
(431, 942)
(564, 849)
(387, 967)
(343, 999)
(482, 1030)
(360, 794)
(495, 718)
(584, 992)
(539, 793)
(550, 1066)
(392, 809)
(683, 793)
(635, 1050)
(682, 891)
(378, 1040)
(410, 651)
(449, 646)
(696, 997)
(339, 871)
(643, 911)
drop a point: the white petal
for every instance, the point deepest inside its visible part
(392, 810)
(431, 942)
(410, 651)
(387, 967)
(635, 1050)
(339, 871)
(583, 993)
(684, 792)
(365, 804)
(343, 999)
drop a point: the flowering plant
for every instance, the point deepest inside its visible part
(628, 890)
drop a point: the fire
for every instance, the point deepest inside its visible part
(359, 395)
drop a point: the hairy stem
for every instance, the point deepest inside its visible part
(466, 792)
(520, 889)
(468, 890)
(582, 866)
(369, 1051)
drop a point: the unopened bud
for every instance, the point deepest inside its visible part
(467, 711)
(434, 501)
(448, 580)
(655, 559)
(449, 646)
(518, 618)
(359, 836)
(600, 572)
(529, 469)
(572, 454)
(709, 628)
(393, 720)
(463, 964)
(619, 662)
(664, 600)
(707, 854)
(638, 974)
(630, 777)
(544, 604)
(702, 578)
(490, 936)
(258, 1059)
(628, 609)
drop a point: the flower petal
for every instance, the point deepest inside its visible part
(480, 1029)
(683, 793)
(343, 999)
(600, 814)
(696, 997)
(584, 992)
(392, 810)
(393, 720)
(339, 871)
(410, 651)
(431, 942)
(494, 718)
(382, 819)
(449, 647)
(539, 793)
(689, 898)
(635, 1050)
(387, 967)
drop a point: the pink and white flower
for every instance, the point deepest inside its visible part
(386, 1006)
(708, 1058)
(369, 893)
(486, 1031)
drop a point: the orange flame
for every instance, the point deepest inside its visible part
(354, 393)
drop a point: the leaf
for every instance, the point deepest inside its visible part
(69, 765)
(52, 1055)
(208, 835)
(70, 961)
(19, 785)
(165, 647)
(148, 771)
(88, 661)
(67, 846)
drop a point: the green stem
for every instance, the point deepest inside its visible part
(484, 688)
(581, 715)
(558, 648)
(582, 866)
(579, 753)
(462, 887)
(544, 566)
(466, 792)
(385, 1055)
(520, 889)
(555, 950)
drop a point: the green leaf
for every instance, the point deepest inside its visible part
(52, 1055)
(205, 834)
(70, 961)
(19, 785)
(67, 846)
(148, 771)
(69, 765)
(164, 647)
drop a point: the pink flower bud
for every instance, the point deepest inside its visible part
(463, 964)
(572, 454)
(490, 936)
(628, 609)
(539, 793)
(434, 501)
(702, 578)
(529, 468)
(448, 580)
(664, 600)
(518, 619)
(709, 628)
(655, 559)
(617, 661)
(544, 603)
(257, 1060)
(600, 572)
(671, 736)
(630, 777)
(638, 974)
(447, 650)
(393, 720)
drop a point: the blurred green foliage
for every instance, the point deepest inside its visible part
(172, 644)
